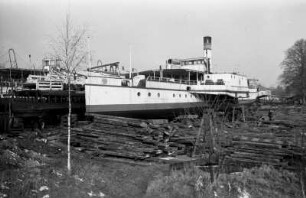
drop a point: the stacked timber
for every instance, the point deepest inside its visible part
(132, 138)
(276, 143)
(277, 147)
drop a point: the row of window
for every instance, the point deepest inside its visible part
(158, 95)
(192, 62)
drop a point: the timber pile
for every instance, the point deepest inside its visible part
(293, 115)
(131, 138)
(278, 142)
(274, 145)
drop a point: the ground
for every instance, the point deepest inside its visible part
(33, 166)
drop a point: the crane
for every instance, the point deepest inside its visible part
(13, 61)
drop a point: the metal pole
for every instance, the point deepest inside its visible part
(89, 55)
(130, 62)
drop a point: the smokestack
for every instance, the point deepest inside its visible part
(207, 52)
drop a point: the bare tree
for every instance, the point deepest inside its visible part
(294, 74)
(69, 47)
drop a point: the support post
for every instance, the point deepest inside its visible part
(233, 114)
(243, 113)
(211, 142)
(198, 136)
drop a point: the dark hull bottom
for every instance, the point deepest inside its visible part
(148, 111)
(152, 114)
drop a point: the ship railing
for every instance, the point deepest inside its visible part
(49, 85)
(46, 99)
(29, 99)
(172, 80)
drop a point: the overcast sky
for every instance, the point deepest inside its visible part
(248, 36)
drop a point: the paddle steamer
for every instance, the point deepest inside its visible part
(184, 85)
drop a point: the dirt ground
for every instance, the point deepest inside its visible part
(33, 166)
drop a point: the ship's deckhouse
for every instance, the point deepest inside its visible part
(182, 76)
(198, 64)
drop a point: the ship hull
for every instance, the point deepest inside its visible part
(158, 99)
(140, 102)
(163, 110)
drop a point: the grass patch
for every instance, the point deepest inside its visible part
(89, 178)
(179, 184)
(259, 182)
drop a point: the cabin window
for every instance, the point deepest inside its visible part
(158, 94)
(149, 94)
(180, 95)
(185, 95)
(138, 94)
(173, 95)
